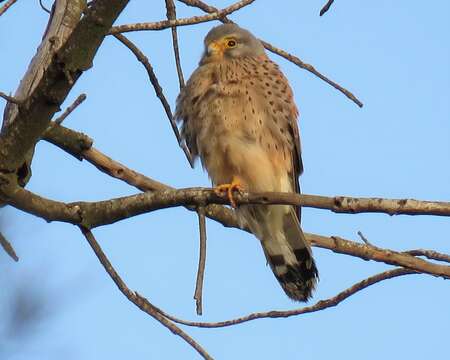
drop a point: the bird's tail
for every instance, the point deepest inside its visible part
(286, 249)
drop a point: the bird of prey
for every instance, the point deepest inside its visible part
(238, 115)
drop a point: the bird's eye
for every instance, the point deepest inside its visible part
(231, 43)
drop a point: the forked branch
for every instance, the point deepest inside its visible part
(141, 302)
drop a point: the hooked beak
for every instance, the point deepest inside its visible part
(214, 49)
(214, 52)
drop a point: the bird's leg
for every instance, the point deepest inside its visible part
(236, 185)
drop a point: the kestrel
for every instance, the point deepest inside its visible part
(238, 115)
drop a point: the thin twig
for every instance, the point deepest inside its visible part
(165, 24)
(5, 7)
(293, 59)
(158, 90)
(11, 99)
(367, 242)
(201, 260)
(326, 7)
(137, 299)
(172, 15)
(364, 239)
(320, 305)
(6, 245)
(70, 108)
(202, 6)
(43, 7)
(430, 254)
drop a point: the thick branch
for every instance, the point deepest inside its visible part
(31, 203)
(352, 205)
(109, 211)
(68, 140)
(21, 124)
(94, 214)
(66, 65)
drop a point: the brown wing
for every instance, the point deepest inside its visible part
(188, 105)
(284, 114)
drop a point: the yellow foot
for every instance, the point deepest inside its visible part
(228, 189)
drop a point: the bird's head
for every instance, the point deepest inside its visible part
(229, 41)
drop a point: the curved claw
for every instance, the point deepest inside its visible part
(229, 188)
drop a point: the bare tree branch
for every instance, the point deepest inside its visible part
(43, 7)
(294, 59)
(66, 64)
(387, 256)
(70, 108)
(72, 142)
(5, 7)
(198, 294)
(319, 306)
(109, 211)
(172, 15)
(430, 254)
(158, 90)
(62, 21)
(165, 24)
(136, 299)
(364, 239)
(326, 7)
(11, 99)
(94, 214)
(6, 245)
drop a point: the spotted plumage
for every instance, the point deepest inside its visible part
(238, 115)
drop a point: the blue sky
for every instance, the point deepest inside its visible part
(393, 55)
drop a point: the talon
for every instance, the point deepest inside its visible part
(229, 188)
